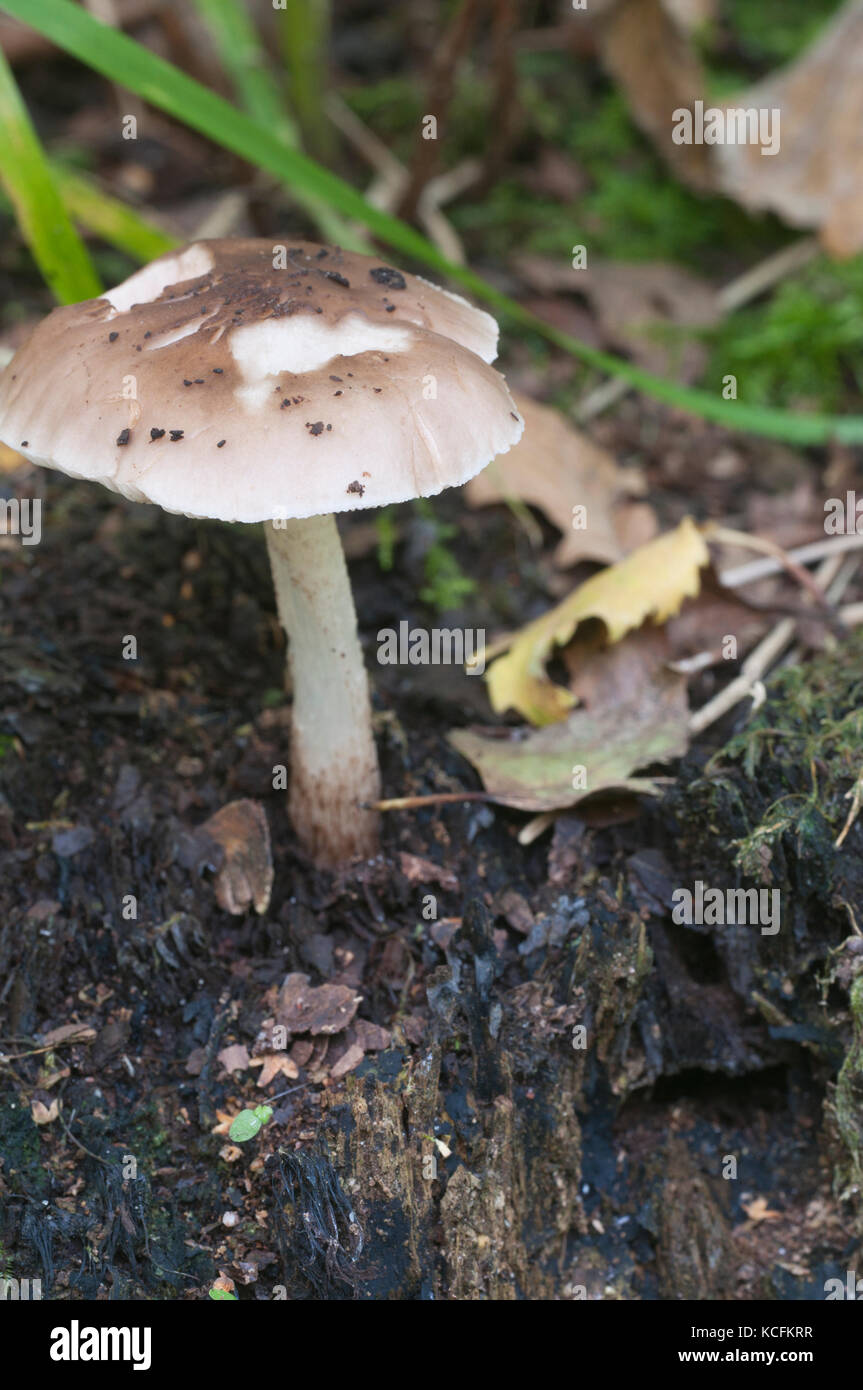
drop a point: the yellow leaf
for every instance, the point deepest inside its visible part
(650, 583)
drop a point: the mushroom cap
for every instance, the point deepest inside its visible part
(247, 380)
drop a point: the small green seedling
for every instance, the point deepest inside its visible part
(249, 1122)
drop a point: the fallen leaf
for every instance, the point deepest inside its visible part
(349, 1061)
(816, 178)
(234, 1058)
(43, 1114)
(370, 1036)
(557, 468)
(418, 870)
(246, 874)
(759, 1210)
(646, 49)
(652, 582)
(273, 1065)
(639, 307)
(301, 1008)
(68, 1033)
(224, 1122)
(534, 770)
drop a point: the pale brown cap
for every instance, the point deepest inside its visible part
(240, 380)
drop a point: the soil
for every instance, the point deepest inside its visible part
(479, 1149)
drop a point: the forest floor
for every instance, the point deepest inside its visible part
(438, 1128)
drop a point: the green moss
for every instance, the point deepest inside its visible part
(804, 748)
(802, 347)
(775, 31)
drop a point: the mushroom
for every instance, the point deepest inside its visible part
(249, 382)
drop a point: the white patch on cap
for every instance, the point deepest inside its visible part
(146, 286)
(302, 343)
(177, 334)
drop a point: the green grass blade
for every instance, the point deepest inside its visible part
(56, 246)
(242, 56)
(305, 33)
(243, 59)
(121, 59)
(109, 218)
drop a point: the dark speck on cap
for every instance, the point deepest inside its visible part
(316, 428)
(157, 434)
(124, 436)
(385, 275)
(25, 443)
(334, 275)
(218, 370)
(221, 444)
(175, 435)
(355, 487)
(112, 337)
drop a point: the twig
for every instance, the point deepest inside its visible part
(748, 682)
(726, 536)
(445, 64)
(754, 570)
(767, 274)
(414, 803)
(77, 1142)
(856, 797)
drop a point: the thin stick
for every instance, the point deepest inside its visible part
(724, 535)
(748, 683)
(760, 569)
(414, 803)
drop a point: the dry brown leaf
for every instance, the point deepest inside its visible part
(301, 1008)
(246, 873)
(419, 870)
(234, 1058)
(647, 51)
(557, 468)
(349, 1061)
(273, 1065)
(639, 307)
(591, 751)
(43, 1114)
(68, 1033)
(759, 1210)
(652, 582)
(816, 178)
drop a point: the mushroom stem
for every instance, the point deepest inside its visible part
(334, 763)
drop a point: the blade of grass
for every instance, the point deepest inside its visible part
(305, 30)
(115, 55)
(244, 60)
(57, 248)
(109, 218)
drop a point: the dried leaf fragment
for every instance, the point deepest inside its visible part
(592, 751)
(246, 875)
(650, 583)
